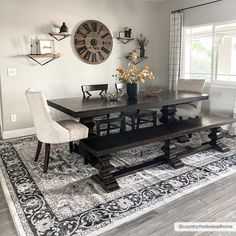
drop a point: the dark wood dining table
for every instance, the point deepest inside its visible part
(86, 108)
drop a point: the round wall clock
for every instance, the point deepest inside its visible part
(93, 42)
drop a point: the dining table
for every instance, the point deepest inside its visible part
(87, 108)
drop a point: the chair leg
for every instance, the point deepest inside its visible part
(154, 116)
(122, 125)
(133, 123)
(71, 146)
(108, 128)
(38, 150)
(98, 129)
(138, 123)
(46, 159)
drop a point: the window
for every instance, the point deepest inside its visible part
(209, 52)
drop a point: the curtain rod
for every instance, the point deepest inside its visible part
(187, 8)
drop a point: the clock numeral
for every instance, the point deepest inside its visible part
(94, 26)
(99, 31)
(105, 50)
(82, 50)
(87, 55)
(106, 43)
(101, 56)
(81, 42)
(105, 35)
(87, 28)
(79, 32)
(94, 57)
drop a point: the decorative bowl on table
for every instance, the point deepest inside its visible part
(151, 92)
(115, 96)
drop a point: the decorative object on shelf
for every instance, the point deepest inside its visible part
(34, 46)
(46, 46)
(55, 28)
(112, 96)
(93, 42)
(133, 75)
(43, 59)
(127, 32)
(142, 42)
(124, 39)
(64, 28)
(151, 92)
(138, 60)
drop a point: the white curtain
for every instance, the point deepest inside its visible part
(176, 34)
(232, 128)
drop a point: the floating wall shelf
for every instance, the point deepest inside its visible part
(59, 36)
(138, 60)
(43, 59)
(125, 40)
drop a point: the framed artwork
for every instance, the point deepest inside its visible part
(46, 46)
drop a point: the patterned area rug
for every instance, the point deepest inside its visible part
(67, 202)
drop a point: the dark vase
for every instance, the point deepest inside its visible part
(142, 52)
(63, 28)
(132, 90)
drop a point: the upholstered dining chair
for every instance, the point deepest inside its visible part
(48, 131)
(190, 110)
(104, 123)
(138, 117)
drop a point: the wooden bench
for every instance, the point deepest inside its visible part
(97, 150)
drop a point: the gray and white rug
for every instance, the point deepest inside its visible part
(67, 202)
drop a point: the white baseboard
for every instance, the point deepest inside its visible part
(18, 133)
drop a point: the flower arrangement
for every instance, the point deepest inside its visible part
(142, 41)
(134, 74)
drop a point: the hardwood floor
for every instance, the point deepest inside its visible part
(213, 203)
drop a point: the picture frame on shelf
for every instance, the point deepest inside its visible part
(46, 46)
(121, 34)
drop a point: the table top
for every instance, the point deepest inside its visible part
(79, 107)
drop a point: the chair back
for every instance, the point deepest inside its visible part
(194, 86)
(47, 130)
(191, 85)
(86, 89)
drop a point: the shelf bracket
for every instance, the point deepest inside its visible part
(59, 37)
(45, 62)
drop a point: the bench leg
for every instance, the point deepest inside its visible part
(105, 178)
(168, 148)
(216, 144)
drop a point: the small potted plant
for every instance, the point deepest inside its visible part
(133, 75)
(142, 42)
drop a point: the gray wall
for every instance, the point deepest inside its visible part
(20, 20)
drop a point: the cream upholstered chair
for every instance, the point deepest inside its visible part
(190, 110)
(49, 131)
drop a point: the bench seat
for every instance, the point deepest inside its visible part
(97, 150)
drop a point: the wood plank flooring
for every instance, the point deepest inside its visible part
(215, 202)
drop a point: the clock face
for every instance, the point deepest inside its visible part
(93, 42)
